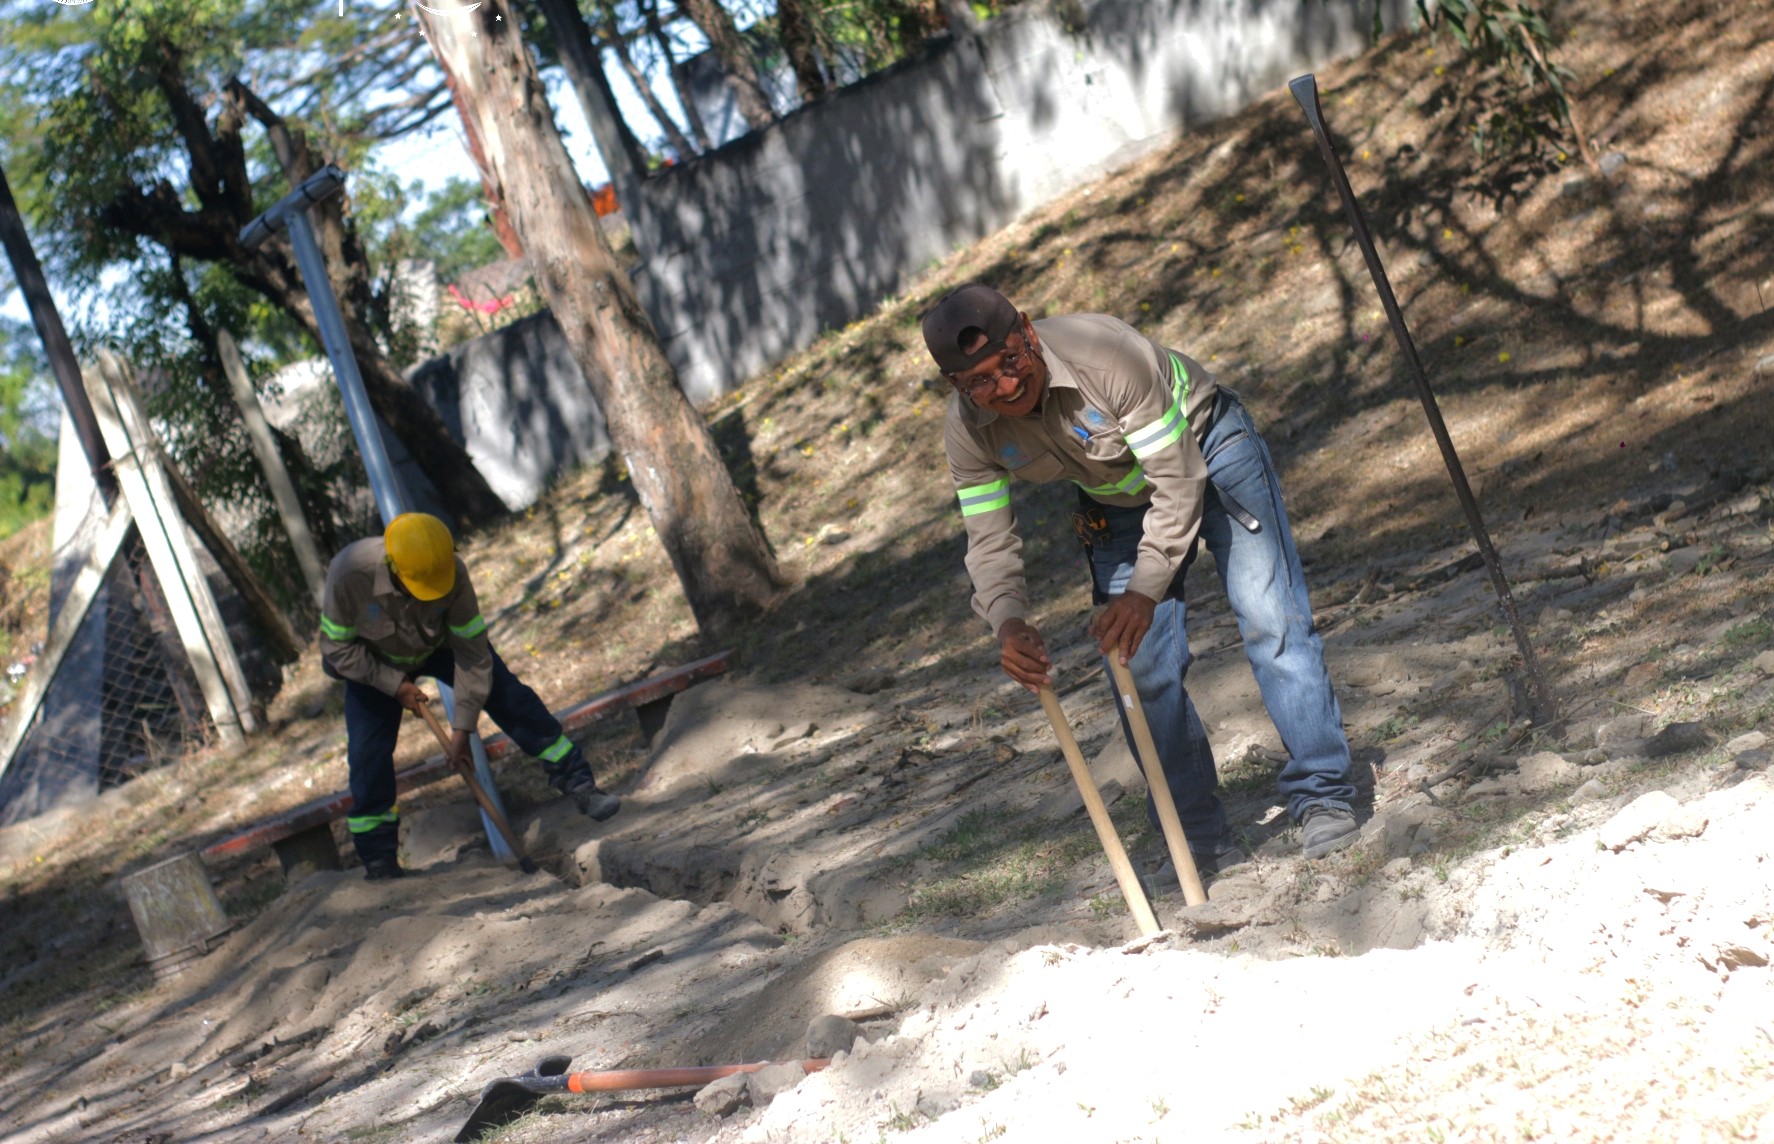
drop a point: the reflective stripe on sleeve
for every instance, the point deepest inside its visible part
(984, 498)
(557, 750)
(334, 630)
(1132, 483)
(364, 823)
(476, 626)
(1168, 429)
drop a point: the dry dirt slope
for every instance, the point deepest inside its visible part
(1601, 345)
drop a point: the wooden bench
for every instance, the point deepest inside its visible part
(303, 835)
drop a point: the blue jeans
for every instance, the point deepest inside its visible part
(1267, 590)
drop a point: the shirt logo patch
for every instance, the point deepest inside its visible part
(375, 611)
(1095, 419)
(1012, 454)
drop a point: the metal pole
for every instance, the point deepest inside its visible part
(291, 213)
(1305, 91)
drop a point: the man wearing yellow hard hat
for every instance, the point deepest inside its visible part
(398, 606)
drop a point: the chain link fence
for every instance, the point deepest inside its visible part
(124, 699)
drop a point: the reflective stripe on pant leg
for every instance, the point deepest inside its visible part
(520, 713)
(364, 823)
(372, 724)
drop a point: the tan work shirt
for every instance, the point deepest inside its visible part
(373, 633)
(1116, 419)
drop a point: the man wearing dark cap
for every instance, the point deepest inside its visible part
(1163, 459)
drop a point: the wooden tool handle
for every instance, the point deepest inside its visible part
(1099, 816)
(1180, 855)
(487, 806)
(622, 1080)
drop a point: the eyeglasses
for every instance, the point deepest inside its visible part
(1009, 366)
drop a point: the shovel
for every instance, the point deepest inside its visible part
(509, 1097)
(487, 805)
(1099, 816)
(1180, 855)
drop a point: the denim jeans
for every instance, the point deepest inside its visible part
(1267, 591)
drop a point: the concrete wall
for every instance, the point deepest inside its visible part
(747, 253)
(518, 402)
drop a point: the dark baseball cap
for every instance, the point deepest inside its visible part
(960, 318)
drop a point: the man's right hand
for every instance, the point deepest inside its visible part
(411, 696)
(1023, 655)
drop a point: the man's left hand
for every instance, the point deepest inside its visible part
(458, 749)
(1123, 624)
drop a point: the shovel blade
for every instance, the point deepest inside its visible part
(509, 1097)
(501, 1102)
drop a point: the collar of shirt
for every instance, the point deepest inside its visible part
(382, 579)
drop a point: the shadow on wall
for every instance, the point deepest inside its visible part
(520, 404)
(752, 250)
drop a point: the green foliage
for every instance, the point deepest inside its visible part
(28, 412)
(451, 228)
(1521, 105)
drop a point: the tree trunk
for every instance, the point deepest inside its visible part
(585, 69)
(742, 70)
(674, 137)
(692, 115)
(796, 31)
(721, 558)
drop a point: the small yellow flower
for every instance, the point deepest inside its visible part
(1439, 69)
(1447, 232)
(1561, 156)
(1173, 248)
(1365, 154)
(806, 450)
(1238, 198)
(1145, 305)
(1141, 201)
(1459, 340)
(1216, 272)
(1213, 357)
(1606, 72)
(1503, 358)
(851, 503)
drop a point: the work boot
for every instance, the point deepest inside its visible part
(592, 802)
(382, 869)
(1210, 862)
(1326, 829)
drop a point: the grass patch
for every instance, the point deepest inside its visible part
(991, 856)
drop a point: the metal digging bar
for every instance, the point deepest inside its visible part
(291, 214)
(1305, 90)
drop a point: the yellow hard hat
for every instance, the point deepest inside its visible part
(422, 554)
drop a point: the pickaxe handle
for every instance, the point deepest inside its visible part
(493, 813)
(1099, 816)
(1180, 855)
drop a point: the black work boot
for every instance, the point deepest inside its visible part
(381, 869)
(1325, 829)
(572, 777)
(593, 803)
(379, 850)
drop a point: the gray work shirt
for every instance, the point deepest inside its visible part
(1123, 417)
(372, 632)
